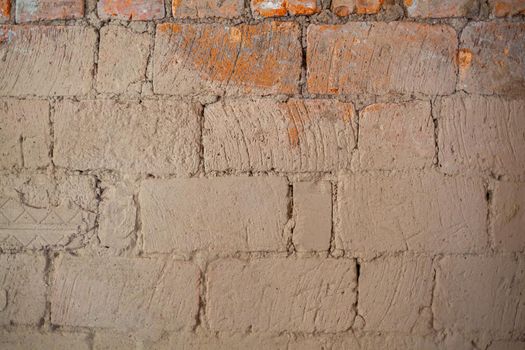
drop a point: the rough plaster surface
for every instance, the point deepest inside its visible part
(263, 174)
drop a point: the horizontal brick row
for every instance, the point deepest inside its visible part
(210, 59)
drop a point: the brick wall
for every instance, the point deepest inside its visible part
(264, 174)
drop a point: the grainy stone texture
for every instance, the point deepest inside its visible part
(122, 60)
(303, 295)
(125, 294)
(24, 340)
(508, 221)
(210, 59)
(440, 9)
(224, 214)
(493, 58)
(414, 58)
(37, 10)
(207, 8)
(23, 287)
(396, 136)
(24, 134)
(49, 60)
(502, 8)
(478, 293)
(422, 212)
(139, 10)
(261, 135)
(313, 215)
(482, 134)
(157, 137)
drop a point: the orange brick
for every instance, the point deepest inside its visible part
(438, 9)
(37, 10)
(207, 8)
(5, 10)
(368, 7)
(216, 59)
(279, 8)
(381, 58)
(502, 8)
(343, 8)
(140, 10)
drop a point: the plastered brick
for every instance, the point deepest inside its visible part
(109, 340)
(125, 294)
(207, 8)
(298, 135)
(139, 10)
(37, 10)
(465, 120)
(49, 60)
(236, 341)
(278, 8)
(303, 295)
(122, 60)
(423, 212)
(496, 66)
(312, 205)
(24, 340)
(24, 134)
(5, 10)
(414, 58)
(22, 289)
(477, 293)
(396, 136)
(223, 214)
(439, 9)
(506, 345)
(502, 8)
(395, 294)
(212, 59)
(508, 216)
(158, 137)
(37, 211)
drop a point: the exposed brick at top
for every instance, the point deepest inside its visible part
(440, 8)
(139, 10)
(277, 8)
(5, 10)
(207, 8)
(213, 59)
(502, 8)
(381, 58)
(36, 10)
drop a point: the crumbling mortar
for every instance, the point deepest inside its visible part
(290, 225)
(435, 123)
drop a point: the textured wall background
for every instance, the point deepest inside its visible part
(280, 174)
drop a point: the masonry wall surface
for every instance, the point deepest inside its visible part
(263, 174)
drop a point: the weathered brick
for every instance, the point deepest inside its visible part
(37, 211)
(342, 8)
(396, 136)
(464, 121)
(423, 212)
(492, 58)
(214, 59)
(439, 9)
(478, 293)
(224, 214)
(24, 133)
(110, 340)
(262, 135)
(368, 7)
(207, 8)
(25, 340)
(49, 60)
(122, 60)
(124, 293)
(395, 294)
(278, 8)
(158, 137)
(37, 10)
(302, 295)
(5, 10)
(22, 289)
(312, 205)
(508, 216)
(135, 10)
(502, 8)
(391, 57)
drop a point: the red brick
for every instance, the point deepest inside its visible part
(502, 8)
(214, 59)
(207, 8)
(438, 9)
(37, 10)
(492, 58)
(277, 8)
(381, 58)
(139, 10)
(5, 10)
(368, 7)
(342, 8)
